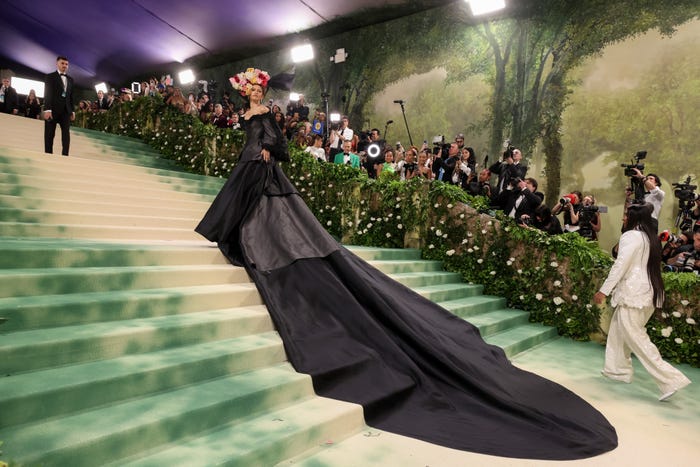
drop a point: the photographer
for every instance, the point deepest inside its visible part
(587, 218)
(520, 200)
(687, 257)
(570, 205)
(673, 242)
(653, 193)
(508, 168)
(543, 220)
(481, 186)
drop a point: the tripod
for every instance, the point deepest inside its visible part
(403, 111)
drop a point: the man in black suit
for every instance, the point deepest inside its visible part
(9, 103)
(58, 106)
(522, 199)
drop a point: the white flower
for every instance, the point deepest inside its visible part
(469, 234)
(369, 226)
(372, 219)
(449, 206)
(557, 283)
(464, 241)
(574, 297)
(479, 260)
(350, 224)
(493, 273)
(588, 306)
(684, 302)
(538, 296)
(522, 297)
(509, 262)
(438, 232)
(398, 218)
(554, 264)
(557, 310)
(476, 248)
(444, 236)
(470, 250)
(568, 320)
(450, 252)
(400, 226)
(507, 229)
(431, 246)
(678, 340)
(398, 198)
(388, 235)
(329, 223)
(436, 205)
(520, 271)
(690, 321)
(483, 231)
(511, 259)
(301, 177)
(557, 300)
(664, 314)
(461, 216)
(666, 332)
(676, 314)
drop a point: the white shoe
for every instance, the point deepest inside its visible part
(666, 395)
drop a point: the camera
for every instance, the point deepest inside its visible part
(667, 236)
(684, 263)
(685, 191)
(629, 168)
(571, 198)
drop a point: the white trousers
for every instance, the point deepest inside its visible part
(628, 335)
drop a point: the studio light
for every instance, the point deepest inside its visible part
(334, 117)
(481, 7)
(186, 77)
(23, 86)
(101, 87)
(302, 53)
(373, 150)
(294, 96)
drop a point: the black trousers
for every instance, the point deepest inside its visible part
(50, 131)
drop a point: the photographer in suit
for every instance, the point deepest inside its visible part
(510, 167)
(58, 106)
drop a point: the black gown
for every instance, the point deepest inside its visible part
(417, 370)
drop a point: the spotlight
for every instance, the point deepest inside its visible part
(294, 96)
(101, 87)
(186, 77)
(23, 86)
(481, 7)
(302, 53)
(334, 117)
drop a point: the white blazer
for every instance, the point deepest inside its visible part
(628, 279)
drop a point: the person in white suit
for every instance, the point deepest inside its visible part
(637, 289)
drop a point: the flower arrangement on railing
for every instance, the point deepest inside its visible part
(551, 277)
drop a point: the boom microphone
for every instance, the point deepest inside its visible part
(399, 101)
(389, 122)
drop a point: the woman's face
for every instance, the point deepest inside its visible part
(422, 158)
(465, 154)
(389, 156)
(256, 94)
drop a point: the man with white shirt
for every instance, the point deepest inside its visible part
(652, 194)
(344, 133)
(58, 106)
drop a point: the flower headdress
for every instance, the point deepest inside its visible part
(243, 82)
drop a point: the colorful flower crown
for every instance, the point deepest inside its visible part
(243, 82)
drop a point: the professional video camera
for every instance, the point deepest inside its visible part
(685, 192)
(571, 198)
(439, 143)
(637, 184)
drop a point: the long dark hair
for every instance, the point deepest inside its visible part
(639, 218)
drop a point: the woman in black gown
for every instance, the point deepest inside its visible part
(416, 369)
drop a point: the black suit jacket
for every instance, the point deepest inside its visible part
(55, 99)
(11, 102)
(506, 201)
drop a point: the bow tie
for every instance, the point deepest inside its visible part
(62, 74)
(346, 153)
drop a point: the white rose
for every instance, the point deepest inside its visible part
(557, 283)
(400, 226)
(450, 252)
(574, 297)
(538, 296)
(520, 271)
(557, 301)
(554, 264)
(449, 206)
(676, 314)
(461, 216)
(690, 321)
(483, 231)
(464, 241)
(470, 250)
(431, 246)
(438, 232)
(522, 297)
(684, 302)
(329, 223)
(666, 332)
(493, 273)
(568, 320)
(479, 260)
(388, 235)
(678, 340)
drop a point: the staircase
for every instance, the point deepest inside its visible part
(129, 340)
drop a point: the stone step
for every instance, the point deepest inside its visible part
(475, 305)
(265, 440)
(29, 397)
(55, 281)
(51, 311)
(117, 431)
(99, 231)
(48, 253)
(493, 322)
(59, 216)
(423, 279)
(447, 292)
(521, 338)
(24, 351)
